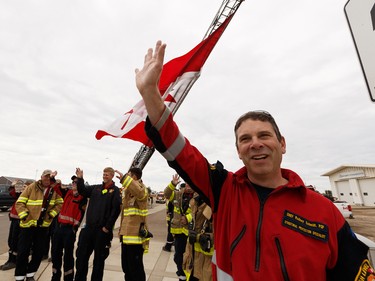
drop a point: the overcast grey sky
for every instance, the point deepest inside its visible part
(67, 70)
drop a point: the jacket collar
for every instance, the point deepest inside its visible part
(294, 180)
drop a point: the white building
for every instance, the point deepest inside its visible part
(354, 184)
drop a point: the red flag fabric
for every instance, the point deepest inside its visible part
(177, 77)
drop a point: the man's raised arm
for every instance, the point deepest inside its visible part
(147, 80)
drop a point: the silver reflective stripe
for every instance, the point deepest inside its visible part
(220, 274)
(163, 118)
(175, 148)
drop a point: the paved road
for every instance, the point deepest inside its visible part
(363, 222)
(4, 230)
(157, 224)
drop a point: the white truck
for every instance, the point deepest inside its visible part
(345, 208)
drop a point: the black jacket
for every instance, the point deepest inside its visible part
(104, 205)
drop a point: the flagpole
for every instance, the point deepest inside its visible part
(227, 8)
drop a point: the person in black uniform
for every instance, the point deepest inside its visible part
(170, 239)
(96, 236)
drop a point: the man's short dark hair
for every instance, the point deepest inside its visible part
(136, 172)
(258, 115)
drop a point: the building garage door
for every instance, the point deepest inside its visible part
(367, 187)
(343, 190)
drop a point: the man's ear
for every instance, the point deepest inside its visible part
(238, 153)
(283, 145)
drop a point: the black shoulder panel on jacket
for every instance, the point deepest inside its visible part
(217, 175)
(351, 254)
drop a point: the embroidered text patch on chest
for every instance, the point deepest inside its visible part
(313, 229)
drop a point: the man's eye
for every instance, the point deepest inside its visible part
(264, 136)
(244, 139)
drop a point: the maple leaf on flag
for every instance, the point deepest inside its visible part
(177, 77)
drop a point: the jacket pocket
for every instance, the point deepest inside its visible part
(281, 259)
(237, 239)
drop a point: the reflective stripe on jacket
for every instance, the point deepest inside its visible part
(134, 212)
(71, 212)
(181, 208)
(29, 205)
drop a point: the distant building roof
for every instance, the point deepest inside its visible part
(348, 166)
(9, 180)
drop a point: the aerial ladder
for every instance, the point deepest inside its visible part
(227, 8)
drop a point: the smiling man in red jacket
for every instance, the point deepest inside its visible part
(268, 225)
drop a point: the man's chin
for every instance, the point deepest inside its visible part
(259, 171)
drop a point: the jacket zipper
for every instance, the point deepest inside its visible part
(237, 240)
(282, 261)
(257, 238)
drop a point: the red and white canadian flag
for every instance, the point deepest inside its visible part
(177, 77)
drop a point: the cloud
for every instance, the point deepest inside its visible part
(67, 68)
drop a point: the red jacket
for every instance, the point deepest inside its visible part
(71, 211)
(296, 234)
(13, 212)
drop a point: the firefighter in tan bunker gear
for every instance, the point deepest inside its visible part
(133, 232)
(199, 249)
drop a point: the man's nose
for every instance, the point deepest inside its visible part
(256, 143)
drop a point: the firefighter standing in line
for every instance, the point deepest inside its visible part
(170, 240)
(64, 236)
(181, 217)
(37, 205)
(133, 232)
(101, 214)
(14, 228)
(200, 248)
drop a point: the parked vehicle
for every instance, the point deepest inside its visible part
(160, 198)
(6, 200)
(345, 208)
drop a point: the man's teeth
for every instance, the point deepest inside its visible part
(259, 157)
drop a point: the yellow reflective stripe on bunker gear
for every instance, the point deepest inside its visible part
(180, 231)
(22, 199)
(171, 186)
(23, 214)
(134, 240)
(59, 200)
(34, 203)
(177, 210)
(46, 224)
(128, 180)
(189, 217)
(31, 223)
(198, 248)
(52, 202)
(135, 211)
(146, 194)
(28, 224)
(53, 213)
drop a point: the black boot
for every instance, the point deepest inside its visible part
(10, 263)
(167, 247)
